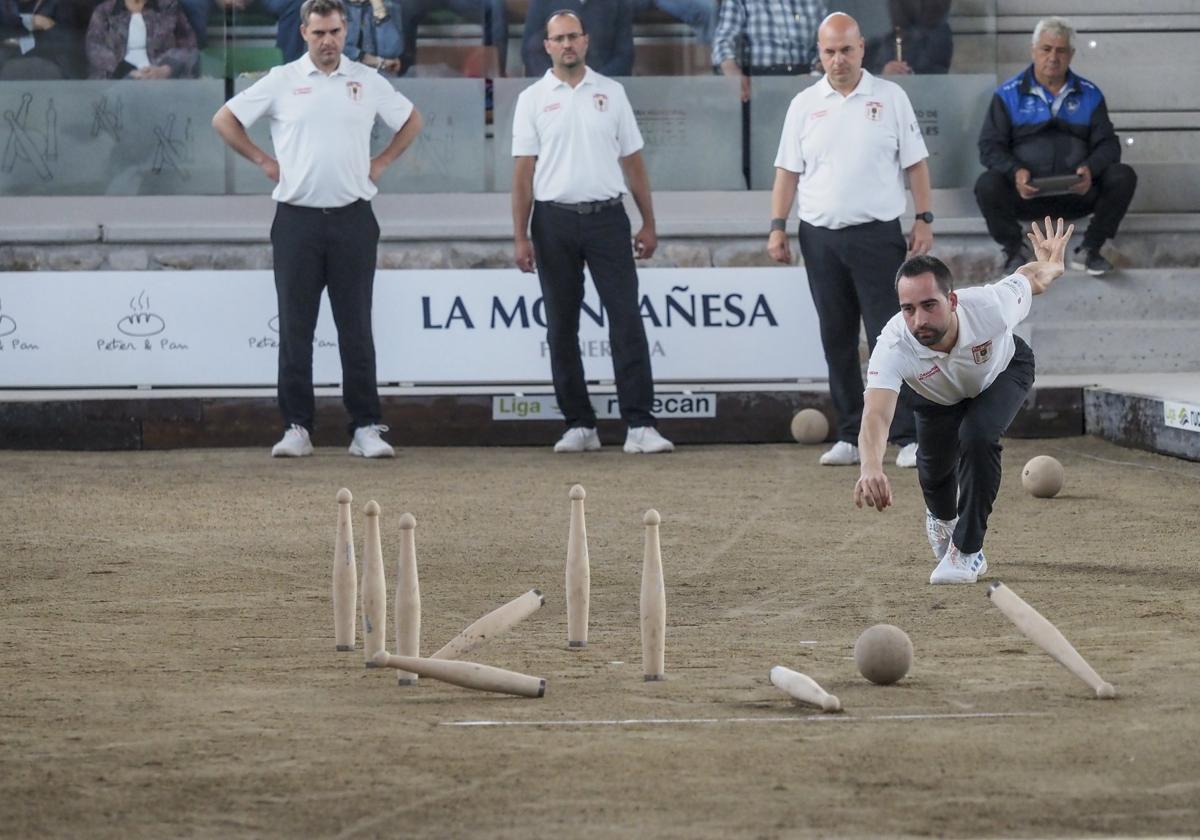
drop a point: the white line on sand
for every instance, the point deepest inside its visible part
(772, 719)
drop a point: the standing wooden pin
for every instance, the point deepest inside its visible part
(374, 588)
(408, 598)
(345, 575)
(653, 604)
(579, 576)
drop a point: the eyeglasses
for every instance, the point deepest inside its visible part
(566, 38)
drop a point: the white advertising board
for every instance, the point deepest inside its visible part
(218, 328)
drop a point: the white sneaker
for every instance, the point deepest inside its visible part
(841, 454)
(295, 443)
(907, 456)
(368, 443)
(939, 531)
(646, 439)
(957, 567)
(578, 439)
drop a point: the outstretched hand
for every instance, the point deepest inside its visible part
(1049, 250)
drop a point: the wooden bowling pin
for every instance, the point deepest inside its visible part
(374, 588)
(579, 576)
(345, 575)
(408, 598)
(494, 624)
(803, 688)
(1038, 629)
(466, 674)
(653, 604)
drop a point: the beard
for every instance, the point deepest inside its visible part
(927, 337)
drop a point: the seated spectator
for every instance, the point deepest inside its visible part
(609, 27)
(700, 15)
(1047, 121)
(491, 15)
(287, 29)
(140, 39)
(35, 40)
(198, 12)
(373, 34)
(754, 39)
(920, 40)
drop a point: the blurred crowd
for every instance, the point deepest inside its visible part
(159, 39)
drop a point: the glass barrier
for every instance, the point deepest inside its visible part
(111, 138)
(463, 62)
(447, 156)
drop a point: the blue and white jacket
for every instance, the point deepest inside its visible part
(1020, 132)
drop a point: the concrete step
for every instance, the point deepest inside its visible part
(1145, 320)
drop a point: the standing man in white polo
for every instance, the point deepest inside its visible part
(574, 134)
(322, 107)
(970, 376)
(848, 142)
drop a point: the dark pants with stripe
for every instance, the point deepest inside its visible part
(1003, 208)
(564, 241)
(317, 249)
(958, 456)
(852, 277)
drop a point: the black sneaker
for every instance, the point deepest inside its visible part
(1015, 259)
(1089, 260)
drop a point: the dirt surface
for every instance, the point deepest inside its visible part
(168, 667)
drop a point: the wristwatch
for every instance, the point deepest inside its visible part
(925, 217)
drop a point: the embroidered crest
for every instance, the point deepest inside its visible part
(600, 101)
(355, 91)
(982, 352)
(874, 110)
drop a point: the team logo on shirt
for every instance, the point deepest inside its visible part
(355, 91)
(982, 352)
(874, 110)
(600, 101)
(933, 371)
(1072, 103)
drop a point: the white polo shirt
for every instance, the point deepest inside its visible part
(985, 346)
(578, 134)
(321, 128)
(851, 151)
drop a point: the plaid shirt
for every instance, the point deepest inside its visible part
(771, 32)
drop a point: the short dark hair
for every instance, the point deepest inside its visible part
(925, 264)
(321, 8)
(553, 15)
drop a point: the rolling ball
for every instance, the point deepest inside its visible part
(883, 654)
(1043, 476)
(809, 426)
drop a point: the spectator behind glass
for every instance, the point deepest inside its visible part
(700, 15)
(141, 39)
(766, 38)
(36, 40)
(198, 11)
(491, 15)
(920, 40)
(287, 29)
(373, 34)
(609, 27)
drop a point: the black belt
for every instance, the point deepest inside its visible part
(586, 208)
(326, 210)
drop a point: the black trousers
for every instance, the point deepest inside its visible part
(958, 455)
(564, 241)
(1003, 208)
(316, 249)
(852, 277)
